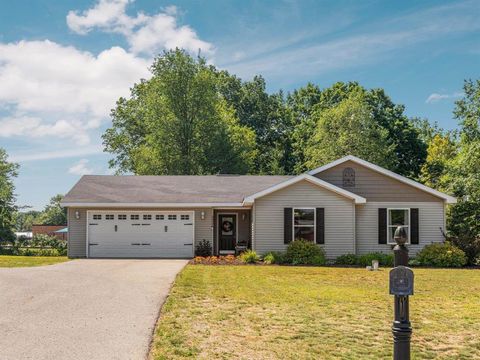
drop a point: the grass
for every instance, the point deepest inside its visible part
(29, 261)
(272, 312)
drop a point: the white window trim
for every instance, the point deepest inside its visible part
(314, 221)
(392, 242)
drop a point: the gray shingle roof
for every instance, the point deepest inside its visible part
(168, 189)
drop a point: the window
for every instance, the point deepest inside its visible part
(160, 217)
(134, 217)
(97, 217)
(395, 218)
(348, 177)
(304, 224)
(109, 217)
(172, 217)
(122, 217)
(147, 217)
(184, 217)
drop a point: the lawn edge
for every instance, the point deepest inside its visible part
(159, 315)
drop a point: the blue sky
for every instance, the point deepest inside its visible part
(64, 63)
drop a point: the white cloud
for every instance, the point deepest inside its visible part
(436, 97)
(108, 15)
(60, 91)
(45, 76)
(56, 154)
(80, 168)
(145, 34)
(32, 127)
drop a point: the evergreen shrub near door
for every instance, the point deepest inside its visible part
(203, 248)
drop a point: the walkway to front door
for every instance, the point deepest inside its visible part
(227, 233)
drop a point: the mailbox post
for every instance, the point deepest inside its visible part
(401, 286)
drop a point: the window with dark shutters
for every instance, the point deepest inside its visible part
(382, 225)
(287, 225)
(414, 233)
(320, 234)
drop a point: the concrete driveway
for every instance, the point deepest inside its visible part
(83, 309)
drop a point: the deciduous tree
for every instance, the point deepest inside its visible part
(179, 123)
(348, 129)
(8, 171)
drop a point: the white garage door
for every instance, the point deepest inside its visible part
(149, 234)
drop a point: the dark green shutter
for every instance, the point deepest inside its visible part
(287, 225)
(414, 234)
(382, 226)
(320, 231)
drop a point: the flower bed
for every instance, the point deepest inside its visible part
(217, 260)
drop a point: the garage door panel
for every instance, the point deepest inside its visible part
(153, 237)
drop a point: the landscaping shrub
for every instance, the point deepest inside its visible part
(269, 258)
(383, 259)
(470, 246)
(39, 252)
(413, 262)
(48, 243)
(203, 248)
(301, 252)
(12, 250)
(249, 257)
(39, 245)
(442, 255)
(347, 259)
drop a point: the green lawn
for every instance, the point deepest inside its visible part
(28, 261)
(273, 312)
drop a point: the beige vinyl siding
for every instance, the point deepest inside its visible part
(374, 186)
(339, 218)
(77, 235)
(431, 219)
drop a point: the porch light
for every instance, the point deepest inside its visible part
(244, 216)
(202, 215)
(77, 215)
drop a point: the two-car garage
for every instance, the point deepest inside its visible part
(140, 234)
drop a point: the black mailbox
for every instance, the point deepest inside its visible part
(401, 281)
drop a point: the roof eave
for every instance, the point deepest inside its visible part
(147, 205)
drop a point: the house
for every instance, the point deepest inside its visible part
(347, 206)
(51, 230)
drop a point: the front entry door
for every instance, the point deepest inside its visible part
(227, 232)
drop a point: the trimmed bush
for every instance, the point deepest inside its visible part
(347, 259)
(203, 248)
(383, 259)
(301, 252)
(441, 255)
(249, 257)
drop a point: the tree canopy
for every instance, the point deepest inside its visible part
(8, 171)
(403, 137)
(53, 213)
(178, 123)
(348, 128)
